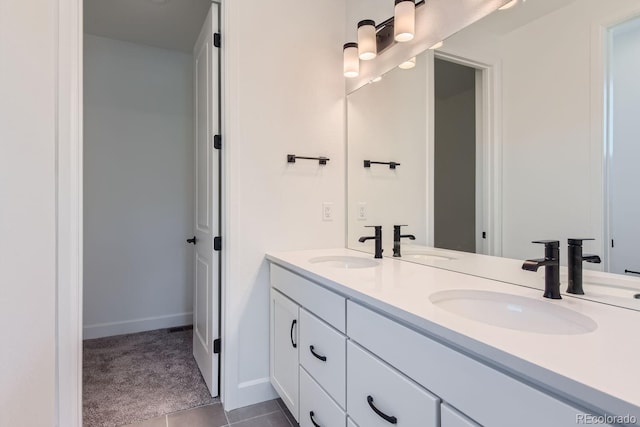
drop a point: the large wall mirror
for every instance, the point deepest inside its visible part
(523, 126)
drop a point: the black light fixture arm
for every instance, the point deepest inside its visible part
(291, 158)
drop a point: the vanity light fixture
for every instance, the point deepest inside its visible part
(367, 45)
(351, 60)
(437, 45)
(508, 5)
(404, 20)
(408, 64)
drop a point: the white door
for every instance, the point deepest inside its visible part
(207, 189)
(624, 174)
(284, 349)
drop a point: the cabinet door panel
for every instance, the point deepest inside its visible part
(378, 396)
(452, 418)
(323, 355)
(316, 406)
(284, 349)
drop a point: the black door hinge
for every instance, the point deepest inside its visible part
(217, 243)
(216, 39)
(216, 346)
(217, 142)
(484, 234)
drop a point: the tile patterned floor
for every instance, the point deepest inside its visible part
(272, 413)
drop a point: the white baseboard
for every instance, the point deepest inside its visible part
(100, 330)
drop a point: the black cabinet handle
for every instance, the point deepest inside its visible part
(387, 418)
(293, 324)
(193, 240)
(323, 358)
(631, 271)
(315, 424)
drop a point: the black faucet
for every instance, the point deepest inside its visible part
(576, 257)
(377, 236)
(551, 264)
(397, 237)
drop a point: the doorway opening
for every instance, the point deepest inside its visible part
(151, 285)
(457, 153)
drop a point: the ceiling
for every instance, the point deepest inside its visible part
(168, 24)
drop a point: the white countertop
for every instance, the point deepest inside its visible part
(618, 291)
(600, 369)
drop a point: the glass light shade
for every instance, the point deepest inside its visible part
(508, 5)
(437, 45)
(410, 63)
(351, 60)
(367, 46)
(404, 23)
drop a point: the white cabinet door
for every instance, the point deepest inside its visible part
(284, 349)
(317, 409)
(378, 396)
(323, 355)
(452, 418)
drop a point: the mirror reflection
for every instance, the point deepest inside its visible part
(522, 127)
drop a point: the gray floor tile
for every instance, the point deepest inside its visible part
(204, 416)
(275, 419)
(154, 422)
(253, 411)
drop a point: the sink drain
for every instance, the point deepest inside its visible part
(637, 296)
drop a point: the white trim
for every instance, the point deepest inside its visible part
(69, 214)
(132, 326)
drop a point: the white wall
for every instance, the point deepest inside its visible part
(552, 87)
(387, 121)
(138, 187)
(27, 212)
(284, 94)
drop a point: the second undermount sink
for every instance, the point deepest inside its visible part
(423, 255)
(344, 261)
(514, 312)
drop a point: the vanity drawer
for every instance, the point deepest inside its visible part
(452, 418)
(325, 304)
(456, 378)
(375, 391)
(328, 344)
(313, 400)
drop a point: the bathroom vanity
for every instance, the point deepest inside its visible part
(357, 341)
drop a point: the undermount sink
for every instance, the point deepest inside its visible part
(344, 261)
(514, 312)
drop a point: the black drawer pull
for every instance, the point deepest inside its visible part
(631, 271)
(387, 418)
(293, 325)
(323, 358)
(315, 424)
